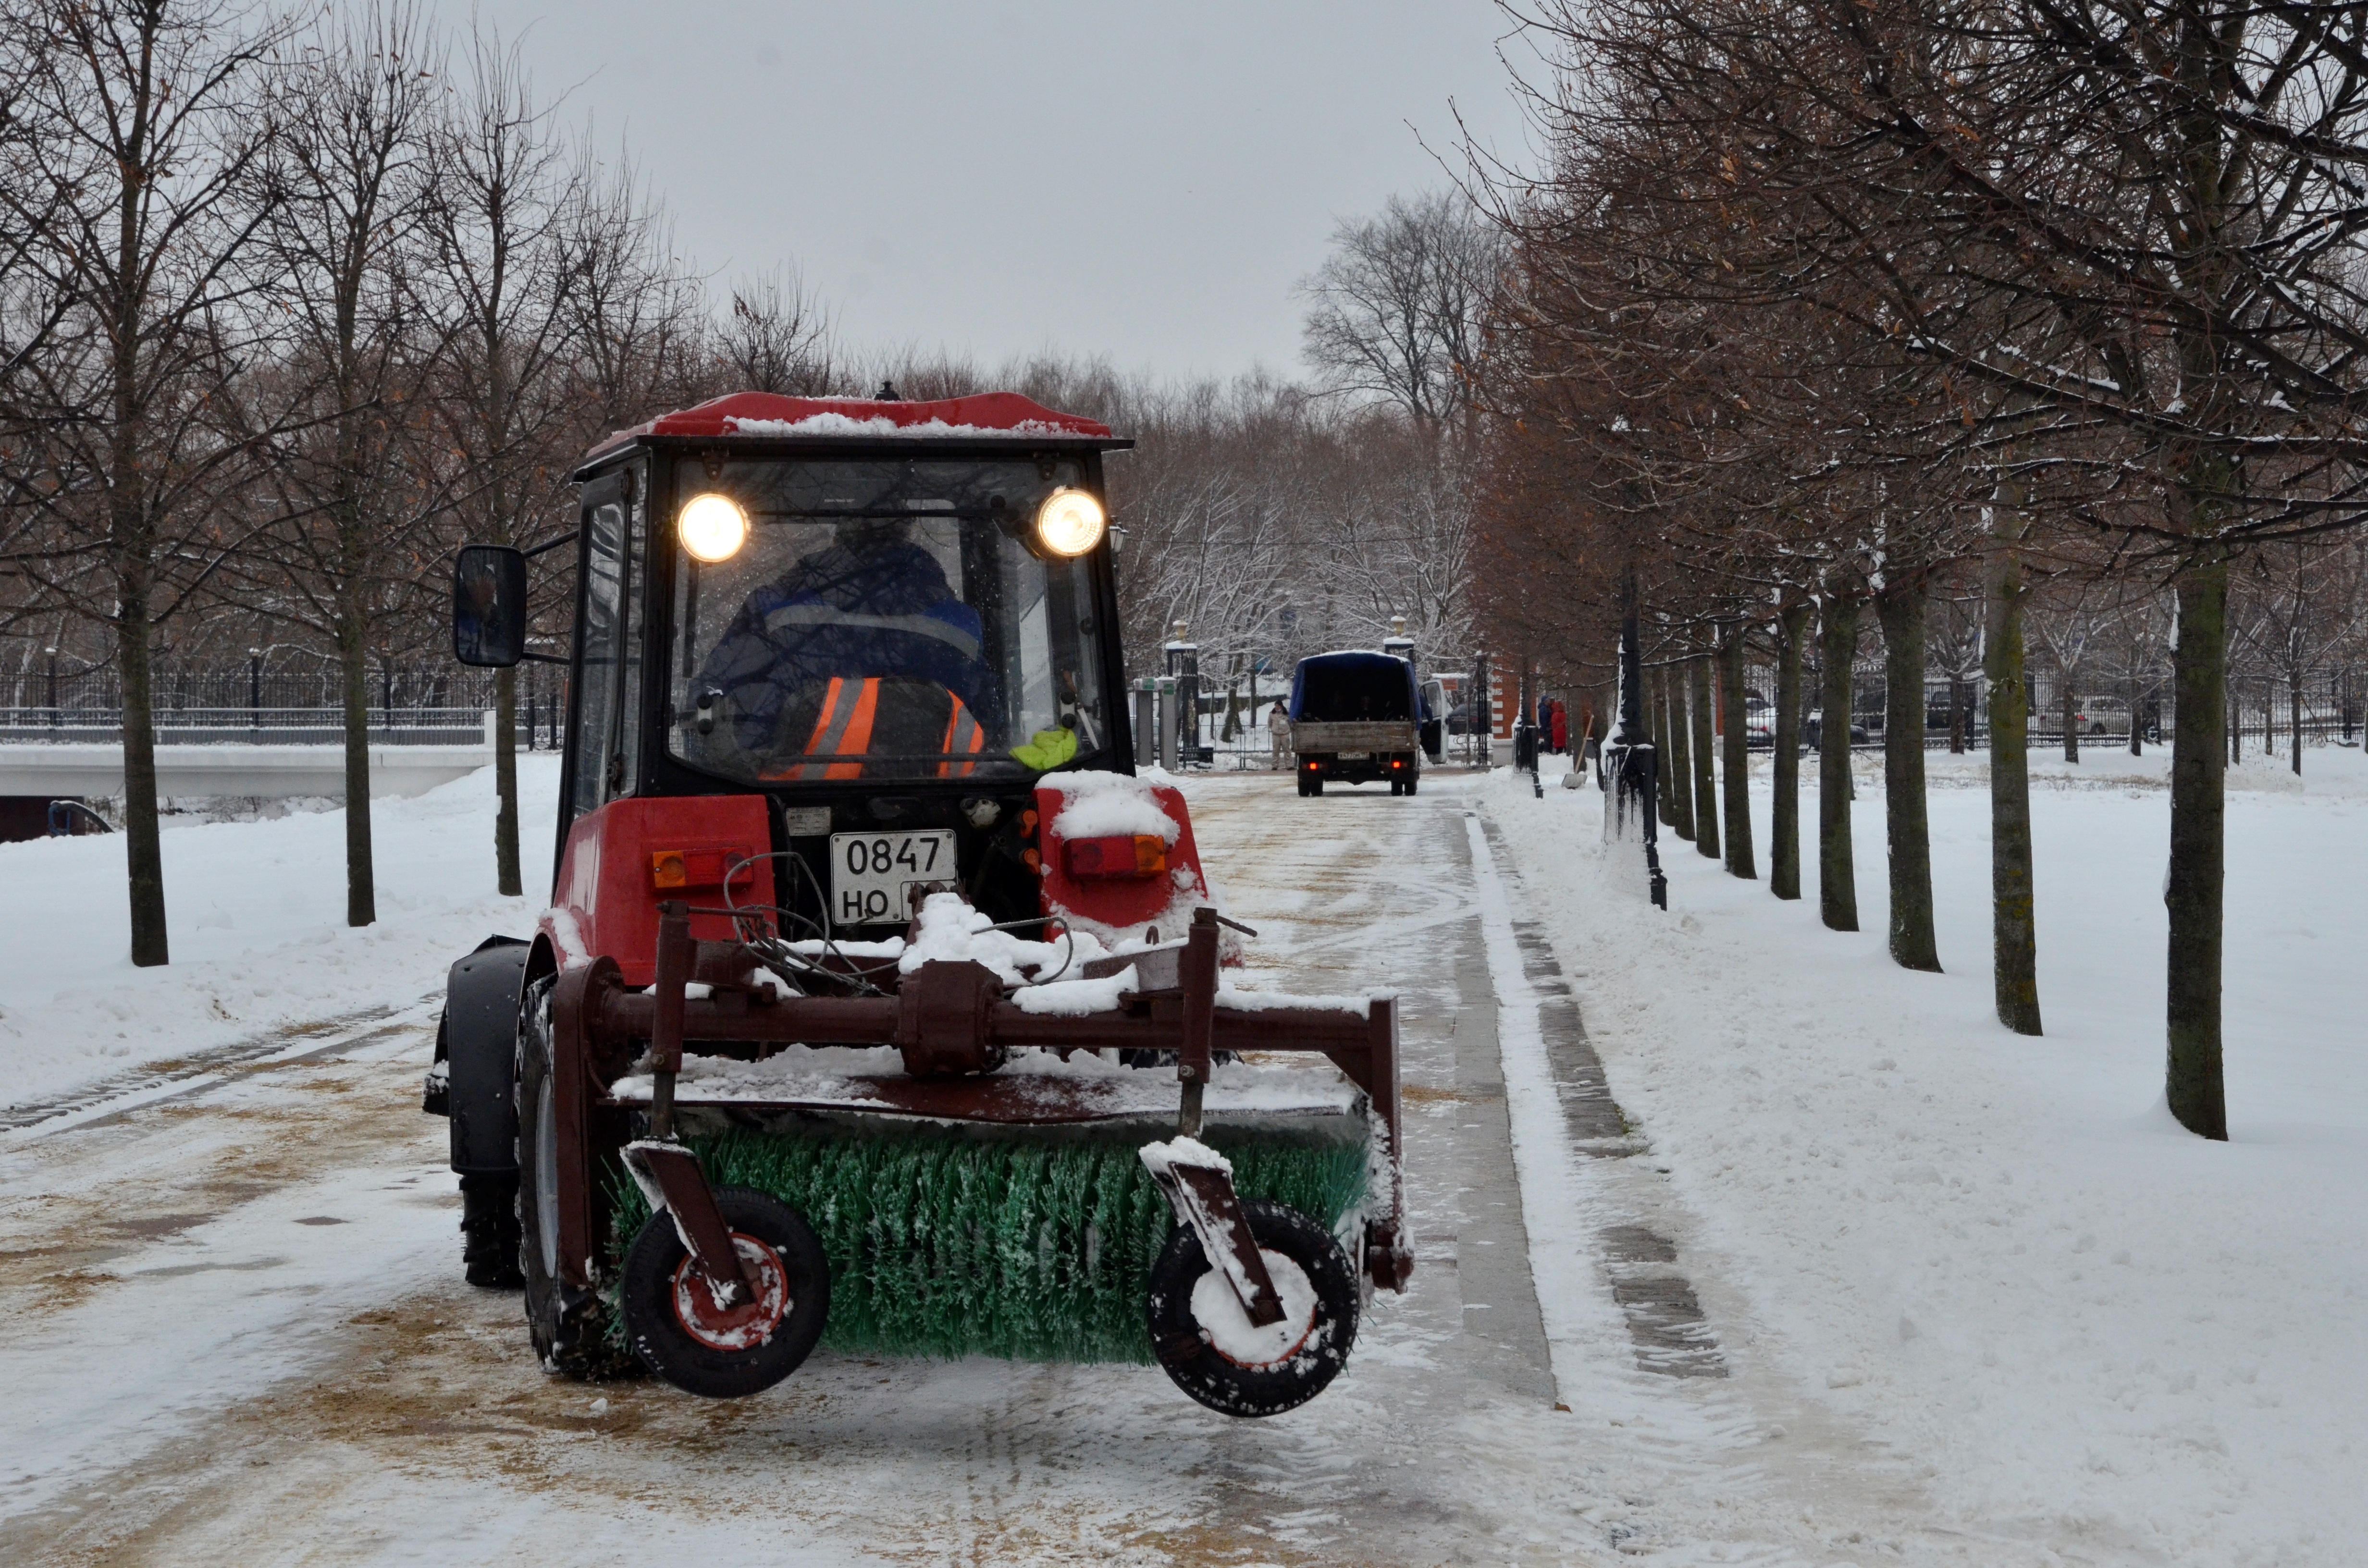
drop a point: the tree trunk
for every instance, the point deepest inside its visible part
(2192, 1077)
(1705, 789)
(2071, 718)
(1900, 607)
(1784, 806)
(1657, 710)
(2294, 717)
(1957, 724)
(1836, 870)
(2014, 943)
(353, 668)
(505, 819)
(144, 851)
(1738, 757)
(2137, 740)
(1678, 780)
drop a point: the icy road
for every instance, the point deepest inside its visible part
(234, 1330)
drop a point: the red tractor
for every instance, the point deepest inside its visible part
(878, 1002)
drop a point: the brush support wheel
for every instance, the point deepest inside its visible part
(1232, 1387)
(704, 1346)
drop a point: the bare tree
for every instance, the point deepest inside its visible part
(503, 190)
(1397, 311)
(139, 205)
(777, 337)
(358, 109)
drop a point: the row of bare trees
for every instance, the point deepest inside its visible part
(1813, 308)
(293, 303)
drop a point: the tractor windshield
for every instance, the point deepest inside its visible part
(886, 619)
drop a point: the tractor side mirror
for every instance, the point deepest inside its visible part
(489, 606)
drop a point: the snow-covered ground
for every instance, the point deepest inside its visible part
(256, 916)
(1962, 1297)
(1998, 1255)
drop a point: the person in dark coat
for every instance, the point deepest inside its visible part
(869, 618)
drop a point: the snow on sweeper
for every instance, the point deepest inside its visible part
(879, 1004)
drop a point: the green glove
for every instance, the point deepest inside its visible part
(1047, 749)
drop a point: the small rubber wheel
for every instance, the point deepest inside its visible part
(1297, 1371)
(701, 1346)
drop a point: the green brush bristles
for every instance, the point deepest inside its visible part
(1036, 1246)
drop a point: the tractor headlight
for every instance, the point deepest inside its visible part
(1070, 522)
(712, 527)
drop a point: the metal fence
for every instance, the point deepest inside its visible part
(2262, 707)
(425, 705)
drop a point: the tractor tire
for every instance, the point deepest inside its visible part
(680, 1332)
(1315, 785)
(1412, 783)
(569, 1326)
(1233, 1388)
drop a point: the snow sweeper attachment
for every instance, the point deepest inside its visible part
(976, 1144)
(879, 1006)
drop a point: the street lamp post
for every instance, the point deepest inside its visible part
(1630, 774)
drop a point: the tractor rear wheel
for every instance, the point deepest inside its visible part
(1310, 1347)
(570, 1326)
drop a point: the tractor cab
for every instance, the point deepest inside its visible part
(883, 621)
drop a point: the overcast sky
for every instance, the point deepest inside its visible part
(1141, 181)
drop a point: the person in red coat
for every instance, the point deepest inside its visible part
(1561, 726)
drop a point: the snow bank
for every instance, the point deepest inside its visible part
(256, 921)
(1998, 1255)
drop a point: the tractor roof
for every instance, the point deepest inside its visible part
(768, 417)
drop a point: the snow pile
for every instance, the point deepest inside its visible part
(934, 429)
(256, 922)
(1109, 805)
(1997, 1256)
(832, 1074)
(952, 931)
(1224, 1324)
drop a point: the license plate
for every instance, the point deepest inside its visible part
(1353, 755)
(872, 875)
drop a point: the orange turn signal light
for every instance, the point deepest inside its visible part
(674, 870)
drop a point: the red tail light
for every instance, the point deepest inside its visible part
(1139, 855)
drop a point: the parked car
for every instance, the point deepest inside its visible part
(1758, 721)
(1813, 728)
(2102, 716)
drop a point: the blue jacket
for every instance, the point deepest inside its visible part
(884, 611)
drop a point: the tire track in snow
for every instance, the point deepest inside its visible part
(146, 1086)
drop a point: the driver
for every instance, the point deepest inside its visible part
(859, 649)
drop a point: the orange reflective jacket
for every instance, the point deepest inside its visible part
(843, 731)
